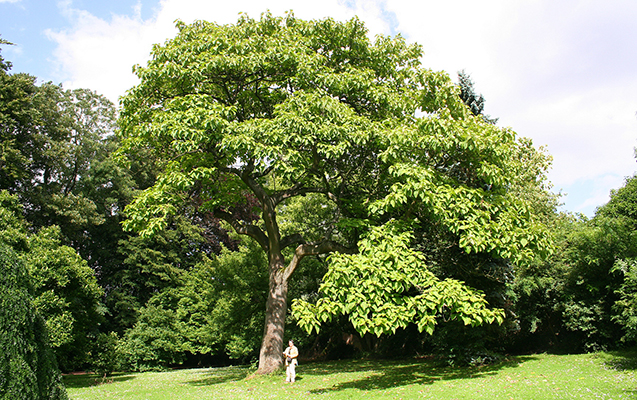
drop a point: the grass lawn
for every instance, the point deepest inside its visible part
(542, 376)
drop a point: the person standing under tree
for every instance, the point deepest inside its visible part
(291, 353)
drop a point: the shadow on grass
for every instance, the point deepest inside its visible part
(88, 380)
(216, 376)
(383, 374)
(621, 360)
(390, 374)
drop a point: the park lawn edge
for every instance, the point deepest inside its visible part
(609, 375)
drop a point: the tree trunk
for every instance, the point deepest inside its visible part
(271, 358)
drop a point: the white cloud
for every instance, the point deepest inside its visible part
(99, 54)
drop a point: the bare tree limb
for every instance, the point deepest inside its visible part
(296, 190)
(291, 239)
(249, 230)
(310, 249)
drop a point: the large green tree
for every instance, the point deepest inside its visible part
(247, 116)
(55, 155)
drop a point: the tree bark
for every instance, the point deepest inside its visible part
(271, 354)
(270, 357)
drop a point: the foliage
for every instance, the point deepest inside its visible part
(147, 266)
(104, 357)
(55, 158)
(625, 308)
(217, 308)
(73, 129)
(155, 342)
(17, 125)
(27, 364)
(65, 290)
(50, 139)
(66, 295)
(590, 285)
(190, 126)
(13, 230)
(539, 289)
(581, 299)
(622, 208)
(474, 101)
(622, 204)
(235, 300)
(56, 147)
(388, 286)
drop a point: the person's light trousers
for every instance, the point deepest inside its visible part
(290, 372)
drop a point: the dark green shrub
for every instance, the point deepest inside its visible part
(27, 364)
(104, 357)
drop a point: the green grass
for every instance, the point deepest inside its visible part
(543, 376)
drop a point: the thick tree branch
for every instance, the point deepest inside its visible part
(291, 239)
(249, 230)
(311, 249)
(296, 190)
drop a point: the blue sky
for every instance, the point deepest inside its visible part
(26, 22)
(560, 72)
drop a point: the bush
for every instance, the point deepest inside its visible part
(154, 343)
(104, 357)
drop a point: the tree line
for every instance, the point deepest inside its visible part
(280, 178)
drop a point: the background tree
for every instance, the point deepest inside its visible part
(248, 116)
(623, 206)
(66, 295)
(72, 132)
(64, 289)
(469, 96)
(216, 313)
(17, 125)
(50, 138)
(56, 158)
(56, 147)
(148, 266)
(582, 297)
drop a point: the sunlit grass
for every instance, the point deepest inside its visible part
(587, 376)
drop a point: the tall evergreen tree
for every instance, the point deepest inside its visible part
(474, 101)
